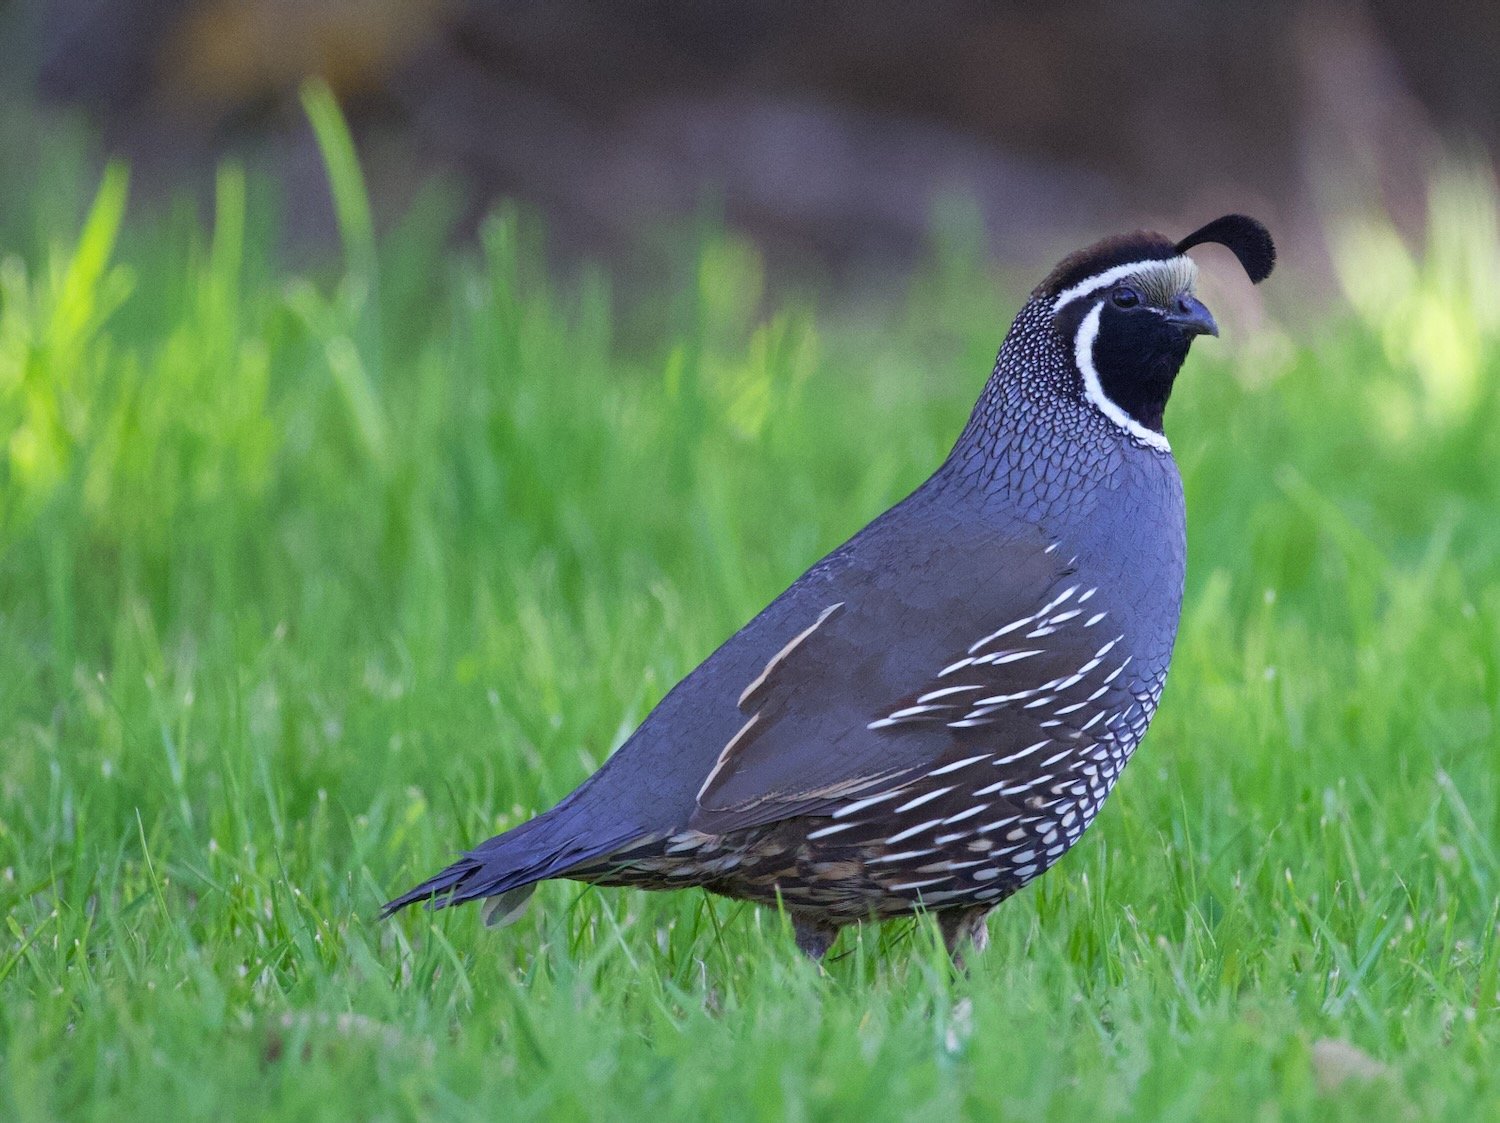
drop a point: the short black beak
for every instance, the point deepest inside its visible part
(1192, 318)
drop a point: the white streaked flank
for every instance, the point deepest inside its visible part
(947, 690)
(1017, 789)
(938, 867)
(978, 808)
(956, 765)
(823, 832)
(999, 657)
(903, 856)
(1027, 751)
(921, 799)
(860, 805)
(917, 711)
(902, 836)
(908, 886)
(1012, 626)
(998, 823)
(1057, 600)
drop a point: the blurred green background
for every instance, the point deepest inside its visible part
(397, 398)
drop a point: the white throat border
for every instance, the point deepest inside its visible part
(1093, 389)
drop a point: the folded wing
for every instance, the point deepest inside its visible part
(883, 684)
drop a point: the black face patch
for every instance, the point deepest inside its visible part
(1137, 355)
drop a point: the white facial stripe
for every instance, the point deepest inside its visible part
(1083, 354)
(1182, 271)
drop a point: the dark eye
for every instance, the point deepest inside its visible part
(1126, 297)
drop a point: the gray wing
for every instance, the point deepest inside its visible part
(974, 645)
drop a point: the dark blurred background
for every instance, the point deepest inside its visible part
(830, 133)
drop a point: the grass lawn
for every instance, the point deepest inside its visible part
(309, 579)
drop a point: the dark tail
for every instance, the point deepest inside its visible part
(534, 851)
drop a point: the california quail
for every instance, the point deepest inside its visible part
(932, 714)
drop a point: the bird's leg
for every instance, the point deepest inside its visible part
(964, 928)
(814, 937)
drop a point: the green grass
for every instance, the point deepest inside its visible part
(306, 581)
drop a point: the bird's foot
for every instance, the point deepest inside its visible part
(814, 937)
(964, 929)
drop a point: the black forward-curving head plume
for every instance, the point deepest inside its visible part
(1247, 239)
